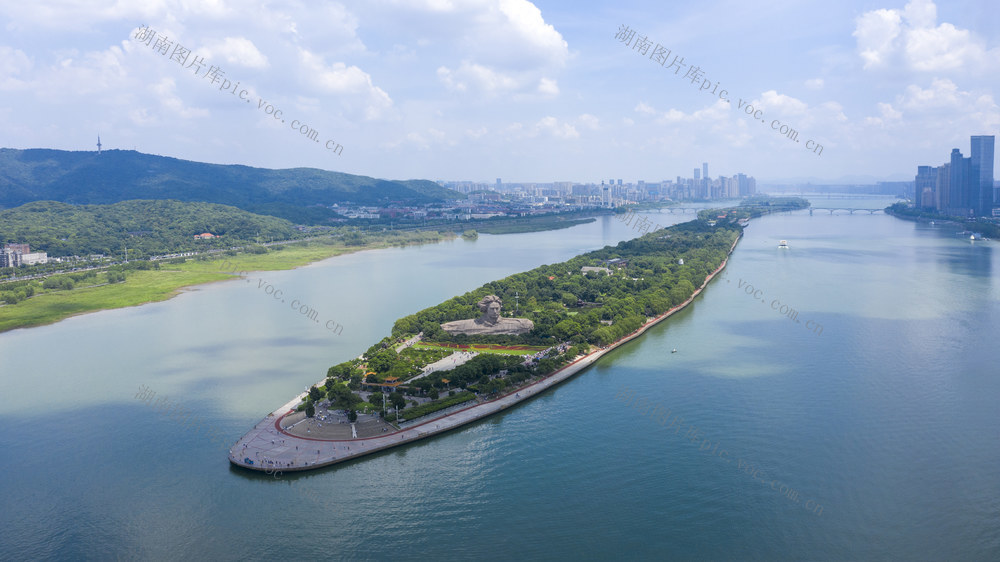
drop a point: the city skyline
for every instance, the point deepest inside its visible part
(963, 186)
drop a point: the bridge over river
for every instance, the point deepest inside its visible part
(850, 210)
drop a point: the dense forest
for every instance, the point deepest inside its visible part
(145, 227)
(121, 175)
(597, 307)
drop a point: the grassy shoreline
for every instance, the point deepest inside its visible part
(148, 286)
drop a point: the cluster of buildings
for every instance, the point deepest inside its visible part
(609, 193)
(962, 186)
(486, 200)
(16, 255)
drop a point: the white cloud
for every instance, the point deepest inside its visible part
(529, 27)
(715, 113)
(13, 63)
(814, 83)
(887, 116)
(165, 93)
(236, 50)
(910, 38)
(547, 126)
(494, 46)
(551, 126)
(483, 78)
(548, 87)
(645, 108)
(787, 105)
(588, 121)
(876, 33)
(348, 81)
(940, 106)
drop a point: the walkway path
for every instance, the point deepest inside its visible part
(446, 363)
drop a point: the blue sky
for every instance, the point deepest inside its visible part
(480, 89)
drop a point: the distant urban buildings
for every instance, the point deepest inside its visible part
(16, 255)
(527, 198)
(962, 186)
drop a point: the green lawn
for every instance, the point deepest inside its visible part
(139, 288)
(146, 286)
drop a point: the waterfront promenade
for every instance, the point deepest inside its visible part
(271, 448)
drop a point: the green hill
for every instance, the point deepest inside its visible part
(120, 175)
(146, 227)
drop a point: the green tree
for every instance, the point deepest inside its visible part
(355, 383)
(376, 399)
(382, 361)
(342, 398)
(310, 410)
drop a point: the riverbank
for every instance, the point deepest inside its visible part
(902, 211)
(147, 286)
(268, 447)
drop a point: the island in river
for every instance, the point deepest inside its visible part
(423, 380)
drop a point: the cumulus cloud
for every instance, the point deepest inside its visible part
(787, 105)
(478, 76)
(236, 50)
(552, 127)
(941, 105)
(911, 38)
(13, 63)
(349, 81)
(165, 92)
(715, 113)
(887, 116)
(548, 87)
(504, 46)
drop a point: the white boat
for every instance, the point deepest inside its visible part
(674, 351)
(783, 244)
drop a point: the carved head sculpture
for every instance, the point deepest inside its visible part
(490, 307)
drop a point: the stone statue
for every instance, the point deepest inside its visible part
(490, 322)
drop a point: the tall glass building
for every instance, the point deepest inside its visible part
(982, 165)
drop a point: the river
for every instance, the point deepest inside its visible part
(883, 419)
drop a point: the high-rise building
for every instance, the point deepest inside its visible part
(962, 186)
(942, 188)
(924, 186)
(697, 173)
(965, 192)
(704, 170)
(745, 186)
(499, 184)
(982, 166)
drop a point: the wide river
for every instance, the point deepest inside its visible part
(869, 429)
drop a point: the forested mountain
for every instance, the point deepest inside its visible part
(145, 227)
(121, 175)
